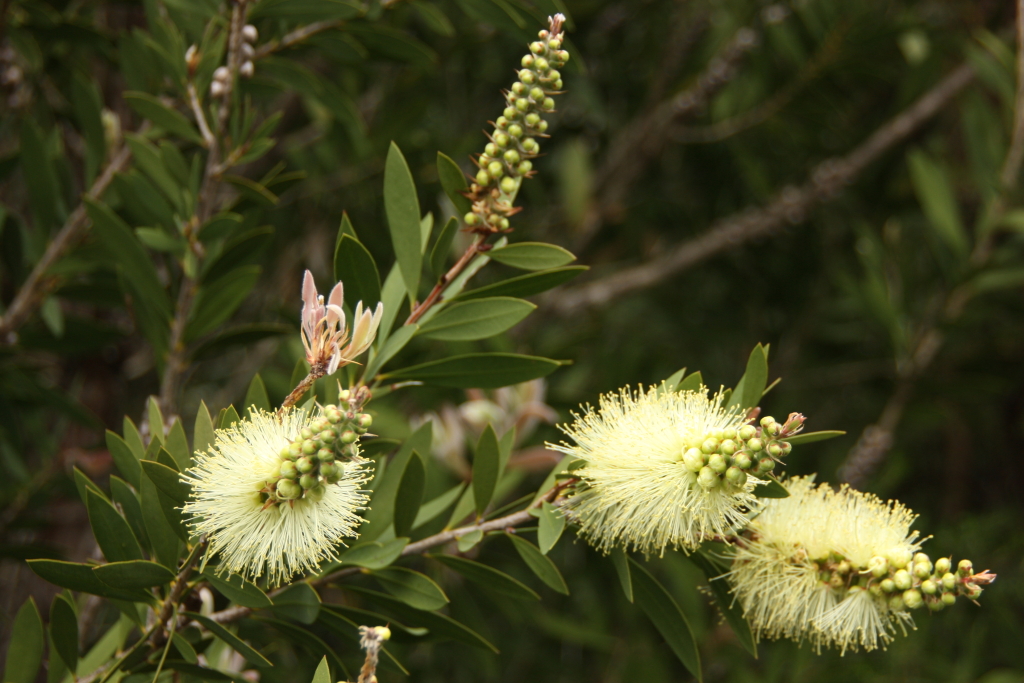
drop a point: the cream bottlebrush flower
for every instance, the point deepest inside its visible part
(324, 335)
(254, 532)
(636, 490)
(817, 565)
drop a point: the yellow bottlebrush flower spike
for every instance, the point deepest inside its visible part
(659, 469)
(278, 493)
(840, 569)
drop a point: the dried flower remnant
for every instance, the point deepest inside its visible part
(840, 569)
(660, 469)
(276, 494)
(371, 639)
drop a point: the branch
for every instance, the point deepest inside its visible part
(38, 284)
(473, 249)
(789, 206)
(297, 36)
(1011, 167)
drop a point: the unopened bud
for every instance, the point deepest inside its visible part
(325, 455)
(948, 581)
(471, 218)
(540, 64)
(767, 420)
(365, 421)
(250, 34)
(736, 476)
(216, 89)
(519, 88)
(902, 579)
(532, 119)
(899, 557)
(222, 74)
(709, 446)
(308, 481)
(888, 585)
(530, 146)
(765, 465)
(896, 603)
(942, 565)
(774, 429)
(693, 459)
(501, 140)
(743, 461)
(728, 447)
(508, 185)
(511, 113)
(965, 568)
(929, 587)
(527, 62)
(305, 465)
(316, 493)
(879, 566)
(247, 51)
(922, 570)
(527, 77)
(288, 489)
(707, 478)
(548, 104)
(936, 605)
(537, 48)
(755, 445)
(716, 461)
(482, 178)
(912, 598)
(774, 449)
(525, 167)
(515, 131)
(948, 599)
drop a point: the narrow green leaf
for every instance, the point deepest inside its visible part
(167, 481)
(938, 199)
(524, 285)
(298, 601)
(148, 158)
(621, 561)
(532, 256)
(229, 416)
(122, 455)
(256, 396)
(726, 601)
(453, 180)
(230, 639)
(488, 577)
(486, 460)
(539, 564)
(124, 496)
(477, 370)
(438, 624)
(354, 266)
(442, 247)
(177, 446)
(203, 434)
(133, 438)
(87, 105)
(156, 420)
(238, 590)
(217, 301)
(133, 574)
(255, 192)
(113, 534)
(811, 437)
(505, 445)
(431, 510)
(219, 227)
(672, 381)
(40, 176)
(382, 504)
(550, 528)
(661, 608)
(748, 391)
(771, 489)
(80, 577)
(375, 555)
(64, 630)
(467, 542)
(25, 649)
(160, 114)
(476, 319)
(414, 589)
(410, 494)
(188, 653)
(402, 207)
(692, 382)
(323, 672)
(395, 343)
(162, 535)
(84, 485)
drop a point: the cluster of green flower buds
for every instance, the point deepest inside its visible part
(317, 457)
(905, 581)
(726, 457)
(915, 582)
(507, 157)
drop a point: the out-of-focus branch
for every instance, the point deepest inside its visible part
(1011, 167)
(642, 140)
(789, 206)
(38, 284)
(297, 36)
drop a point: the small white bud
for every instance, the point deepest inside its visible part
(222, 74)
(246, 70)
(250, 34)
(247, 51)
(216, 89)
(190, 53)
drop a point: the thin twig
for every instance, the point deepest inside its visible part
(473, 249)
(297, 36)
(790, 206)
(197, 111)
(39, 284)
(1011, 167)
(302, 387)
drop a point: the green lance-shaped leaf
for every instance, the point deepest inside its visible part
(123, 495)
(395, 343)
(185, 650)
(443, 245)
(467, 542)
(730, 609)
(488, 577)
(525, 285)
(80, 577)
(230, 639)
(126, 461)
(256, 396)
(133, 574)
(161, 115)
(550, 527)
(672, 381)
(229, 416)
(133, 438)
(84, 484)
(323, 672)
(692, 382)
(203, 434)
(661, 608)
(438, 624)
(113, 534)
(811, 437)
(621, 562)
(749, 389)
(25, 649)
(167, 481)
(539, 564)
(433, 509)
(477, 370)
(414, 589)
(40, 176)
(382, 504)
(532, 256)
(486, 469)
(156, 420)
(64, 630)
(354, 266)
(375, 555)
(238, 590)
(402, 207)
(253, 191)
(477, 319)
(453, 180)
(177, 446)
(410, 494)
(87, 106)
(162, 536)
(298, 601)
(771, 489)
(935, 192)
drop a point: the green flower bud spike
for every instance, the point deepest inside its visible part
(505, 162)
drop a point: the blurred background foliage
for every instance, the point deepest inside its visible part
(889, 287)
